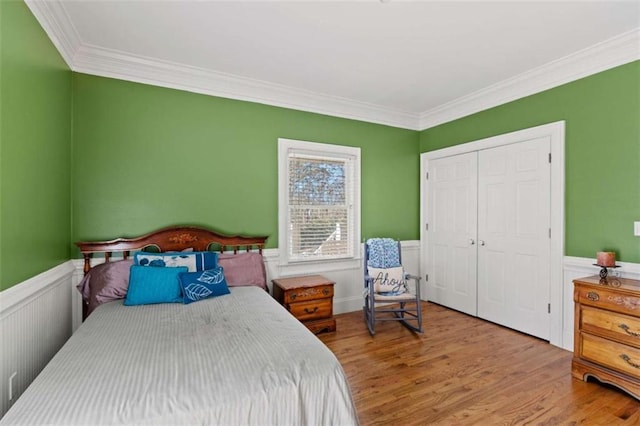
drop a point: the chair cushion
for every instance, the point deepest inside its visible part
(388, 281)
(404, 297)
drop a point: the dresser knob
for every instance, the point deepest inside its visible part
(627, 359)
(593, 296)
(625, 327)
(311, 311)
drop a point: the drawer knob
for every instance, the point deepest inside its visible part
(311, 311)
(593, 296)
(625, 327)
(626, 359)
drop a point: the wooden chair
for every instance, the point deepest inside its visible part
(388, 295)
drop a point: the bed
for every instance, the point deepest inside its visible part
(235, 359)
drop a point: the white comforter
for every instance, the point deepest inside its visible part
(237, 359)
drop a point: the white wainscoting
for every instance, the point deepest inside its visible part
(577, 267)
(35, 321)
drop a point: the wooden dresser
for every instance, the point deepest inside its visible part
(607, 331)
(309, 299)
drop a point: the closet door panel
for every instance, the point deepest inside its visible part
(513, 235)
(452, 254)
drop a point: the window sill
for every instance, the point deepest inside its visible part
(312, 267)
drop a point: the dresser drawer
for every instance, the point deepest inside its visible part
(312, 309)
(607, 298)
(308, 293)
(612, 325)
(616, 356)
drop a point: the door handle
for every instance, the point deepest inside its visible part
(481, 242)
(472, 241)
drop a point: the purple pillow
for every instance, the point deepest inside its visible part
(105, 282)
(243, 269)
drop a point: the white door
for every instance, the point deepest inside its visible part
(514, 235)
(452, 227)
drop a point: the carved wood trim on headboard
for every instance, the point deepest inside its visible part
(172, 238)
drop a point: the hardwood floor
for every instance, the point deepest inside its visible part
(466, 371)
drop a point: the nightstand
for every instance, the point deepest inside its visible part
(309, 299)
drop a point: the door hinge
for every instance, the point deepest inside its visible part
(426, 226)
(426, 277)
(548, 308)
(549, 232)
(549, 158)
(427, 177)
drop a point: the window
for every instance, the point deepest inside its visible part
(319, 201)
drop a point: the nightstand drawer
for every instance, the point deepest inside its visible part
(620, 327)
(616, 356)
(308, 293)
(313, 309)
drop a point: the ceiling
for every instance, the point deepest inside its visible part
(408, 64)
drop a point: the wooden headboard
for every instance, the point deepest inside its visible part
(172, 238)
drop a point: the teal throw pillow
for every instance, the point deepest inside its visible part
(154, 285)
(202, 285)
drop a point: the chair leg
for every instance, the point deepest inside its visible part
(370, 321)
(405, 321)
(369, 314)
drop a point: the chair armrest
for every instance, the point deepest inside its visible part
(368, 280)
(416, 280)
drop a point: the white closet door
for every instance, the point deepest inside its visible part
(452, 213)
(513, 235)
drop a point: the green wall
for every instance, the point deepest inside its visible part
(602, 150)
(35, 150)
(146, 157)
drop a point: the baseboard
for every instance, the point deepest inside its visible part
(347, 304)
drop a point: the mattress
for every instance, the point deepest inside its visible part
(237, 359)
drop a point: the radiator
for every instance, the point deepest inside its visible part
(35, 321)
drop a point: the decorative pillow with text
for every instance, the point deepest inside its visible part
(388, 281)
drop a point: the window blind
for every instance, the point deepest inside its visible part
(320, 207)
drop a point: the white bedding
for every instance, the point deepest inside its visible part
(237, 359)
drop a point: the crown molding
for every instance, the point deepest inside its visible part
(81, 57)
(85, 58)
(114, 64)
(53, 18)
(602, 56)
